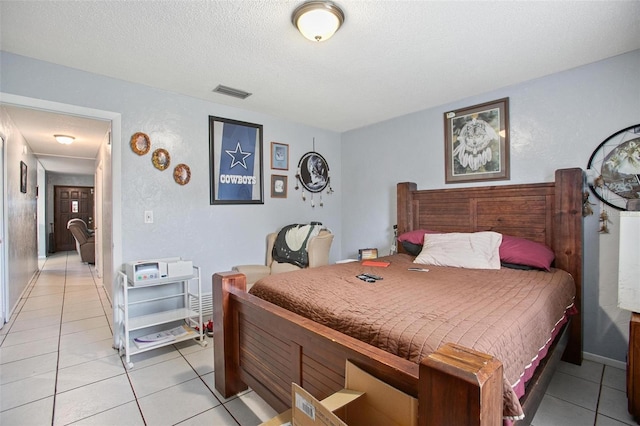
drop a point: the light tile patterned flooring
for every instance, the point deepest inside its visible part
(58, 367)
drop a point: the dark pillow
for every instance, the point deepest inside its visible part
(516, 266)
(412, 249)
(520, 251)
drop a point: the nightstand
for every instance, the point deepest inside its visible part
(633, 366)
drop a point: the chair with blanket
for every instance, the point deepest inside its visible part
(286, 251)
(85, 240)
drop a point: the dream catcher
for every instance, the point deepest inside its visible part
(313, 176)
(615, 168)
(394, 241)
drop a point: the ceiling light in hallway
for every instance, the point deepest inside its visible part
(64, 139)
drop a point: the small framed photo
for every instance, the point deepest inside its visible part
(278, 186)
(477, 142)
(367, 253)
(279, 156)
(23, 177)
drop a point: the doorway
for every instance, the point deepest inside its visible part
(111, 199)
(70, 202)
(3, 297)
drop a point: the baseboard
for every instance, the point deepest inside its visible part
(20, 300)
(606, 361)
(107, 294)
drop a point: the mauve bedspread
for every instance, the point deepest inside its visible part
(507, 313)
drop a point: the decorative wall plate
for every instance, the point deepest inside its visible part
(140, 143)
(182, 174)
(615, 164)
(161, 159)
(313, 172)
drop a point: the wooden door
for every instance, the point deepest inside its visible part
(70, 202)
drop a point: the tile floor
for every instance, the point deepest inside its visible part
(58, 367)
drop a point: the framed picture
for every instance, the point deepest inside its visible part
(367, 253)
(278, 186)
(23, 177)
(235, 161)
(279, 156)
(477, 142)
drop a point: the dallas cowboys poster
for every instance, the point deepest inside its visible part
(235, 151)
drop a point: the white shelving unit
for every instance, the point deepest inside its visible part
(137, 308)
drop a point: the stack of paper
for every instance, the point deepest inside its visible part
(165, 336)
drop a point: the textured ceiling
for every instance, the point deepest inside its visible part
(390, 58)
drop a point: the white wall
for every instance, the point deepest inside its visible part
(556, 122)
(185, 224)
(21, 238)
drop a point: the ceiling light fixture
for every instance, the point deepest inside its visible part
(64, 139)
(317, 20)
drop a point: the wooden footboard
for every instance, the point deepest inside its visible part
(265, 347)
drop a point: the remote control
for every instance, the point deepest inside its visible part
(375, 277)
(418, 269)
(366, 278)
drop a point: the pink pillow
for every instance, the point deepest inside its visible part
(521, 251)
(416, 237)
(513, 250)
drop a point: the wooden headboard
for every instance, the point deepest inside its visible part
(549, 212)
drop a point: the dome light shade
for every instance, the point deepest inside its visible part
(317, 20)
(64, 139)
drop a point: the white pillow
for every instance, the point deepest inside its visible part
(478, 250)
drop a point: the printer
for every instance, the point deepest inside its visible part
(147, 272)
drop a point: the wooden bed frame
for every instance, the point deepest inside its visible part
(265, 347)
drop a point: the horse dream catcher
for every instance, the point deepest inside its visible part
(614, 167)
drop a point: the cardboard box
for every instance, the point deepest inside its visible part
(365, 401)
(282, 419)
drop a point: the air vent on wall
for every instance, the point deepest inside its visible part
(229, 91)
